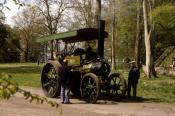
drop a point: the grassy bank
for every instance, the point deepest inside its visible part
(25, 74)
(157, 89)
(160, 89)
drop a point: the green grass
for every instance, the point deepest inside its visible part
(24, 74)
(160, 89)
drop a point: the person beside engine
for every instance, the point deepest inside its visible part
(65, 74)
(133, 77)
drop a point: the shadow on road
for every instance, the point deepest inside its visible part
(106, 100)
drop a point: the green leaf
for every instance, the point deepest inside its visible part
(13, 90)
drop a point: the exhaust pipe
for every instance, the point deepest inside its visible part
(101, 37)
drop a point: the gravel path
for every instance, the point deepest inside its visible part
(17, 106)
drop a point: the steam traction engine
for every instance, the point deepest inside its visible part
(90, 74)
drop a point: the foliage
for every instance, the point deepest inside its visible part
(70, 15)
(83, 14)
(164, 18)
(10, 50)
(8, 89)
(125, 29)
(25, 23)
(3, 34)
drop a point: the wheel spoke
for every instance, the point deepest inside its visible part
(50, 90)
(116, 85)
(46, 84)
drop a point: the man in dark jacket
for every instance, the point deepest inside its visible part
(65, 74)
(133, 78)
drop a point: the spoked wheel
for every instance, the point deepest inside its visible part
(50, 79)
(116, 86)
(89, 87)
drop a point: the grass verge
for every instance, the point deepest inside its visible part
(160, 89)
(25, 74)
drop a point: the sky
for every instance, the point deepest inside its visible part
(9, 13)
(13, 10)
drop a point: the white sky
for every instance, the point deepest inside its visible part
(13, 10)
(9, 13)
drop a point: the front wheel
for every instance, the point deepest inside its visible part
(116, 86)
(89, 87)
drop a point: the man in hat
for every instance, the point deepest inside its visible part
(133, 78)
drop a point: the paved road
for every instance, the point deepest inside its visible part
(17, 106)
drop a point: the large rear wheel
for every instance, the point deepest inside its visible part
(90, 87)
(50, 79)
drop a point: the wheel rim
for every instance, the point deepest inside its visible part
(89, 89)
(116, 86)
(50, 81)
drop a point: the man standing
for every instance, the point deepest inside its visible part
(133, 78)
(65, 74)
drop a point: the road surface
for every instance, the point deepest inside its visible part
(18, 106)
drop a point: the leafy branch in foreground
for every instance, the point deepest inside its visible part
(8, 89)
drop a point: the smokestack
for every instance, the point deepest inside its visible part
(101, 36)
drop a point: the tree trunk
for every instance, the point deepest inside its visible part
(147, 41)
(138, 37)
(152, 40)
(113, 38)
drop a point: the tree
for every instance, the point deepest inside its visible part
(138, 35)
(3, 31)
(164, 18)
(8, 89)
(148, 41)
(113, 37)
(125, 25)
(29, 30)
(52, 12)
(3, 34)
(10, 50)
(87, 14)
(83, 14)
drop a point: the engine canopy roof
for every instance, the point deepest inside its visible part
(85, 34)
